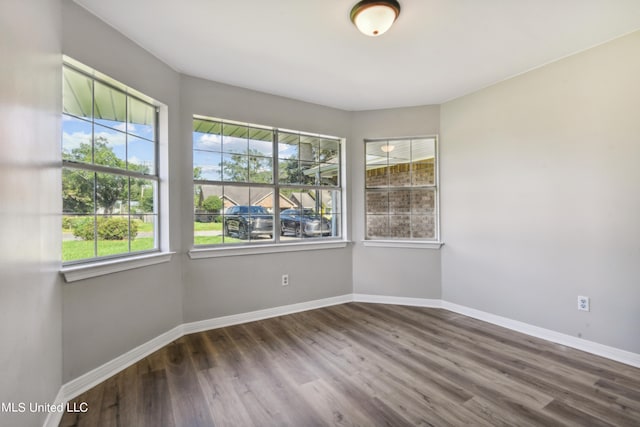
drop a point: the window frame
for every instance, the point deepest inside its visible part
(405, 242)
(97, 265)
(274, 244)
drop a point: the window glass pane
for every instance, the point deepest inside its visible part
(77, 191)
(260, 169)
(109, 147)
(77, 94)
(328, 151)
(110, 106)
(206, 126)
(76, 139)
(423, 172)
(377, 202)
(141, 155)
(209, 206)
(400, 201)
(142, 119)
(143, 232)
(329, 174)
(308, 148)
(377, 152)
(336, 224)
(289, 172)
(330, 202)
(308, 213)
(235, 167)
(423, 159)
(111, 193)
(261, 142)
(400, 163)
(399, 226)
(113, 234)
(377, 174)
(288, 145)
(207, 141)
(423, 201)
(78, 241)
(377, 226)
(207, 165)
(423, 226)
(142, 198)
(235, 139)
(249, 215)
(309, 173)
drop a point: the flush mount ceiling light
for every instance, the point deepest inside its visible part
(387, 148)
(374, 18)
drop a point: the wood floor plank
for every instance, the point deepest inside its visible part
(157, 407)
(189, 409)
(360, 364)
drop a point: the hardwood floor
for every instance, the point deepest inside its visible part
(367, 365)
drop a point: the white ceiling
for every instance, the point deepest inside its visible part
(309, 50)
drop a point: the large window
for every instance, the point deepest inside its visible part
(401, 186)
(255, 184)
(110, 172)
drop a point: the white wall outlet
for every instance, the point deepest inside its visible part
(583, 303)
(285, 280)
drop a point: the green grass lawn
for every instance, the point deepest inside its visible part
(215, 240)
(207, 226)
(81, 249)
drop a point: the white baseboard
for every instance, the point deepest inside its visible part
(236, 319)
(92, 378)
(612, 353)
(54, 417)
(383, 299)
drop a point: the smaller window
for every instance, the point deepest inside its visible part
(401, 189)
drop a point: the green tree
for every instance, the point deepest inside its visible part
(197, 172)
(212, 204)
(78, 185)
(77, 191)
(251, 168)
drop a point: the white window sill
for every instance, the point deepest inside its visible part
(101, 268)
(214, 252)
(402, 244)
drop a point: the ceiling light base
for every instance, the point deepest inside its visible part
(374, 17)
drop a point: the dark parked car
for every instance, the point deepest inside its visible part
(248, 221)
(303, 223)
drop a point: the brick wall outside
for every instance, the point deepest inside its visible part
(401, 213)
(402, 175)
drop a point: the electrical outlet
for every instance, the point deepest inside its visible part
(583, 303)
(285, 280)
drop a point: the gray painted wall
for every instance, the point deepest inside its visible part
(216, 287)
(30, 203)
(541, 196)
(109, 315)
(396, 272)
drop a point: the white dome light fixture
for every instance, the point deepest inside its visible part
(374, 18)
